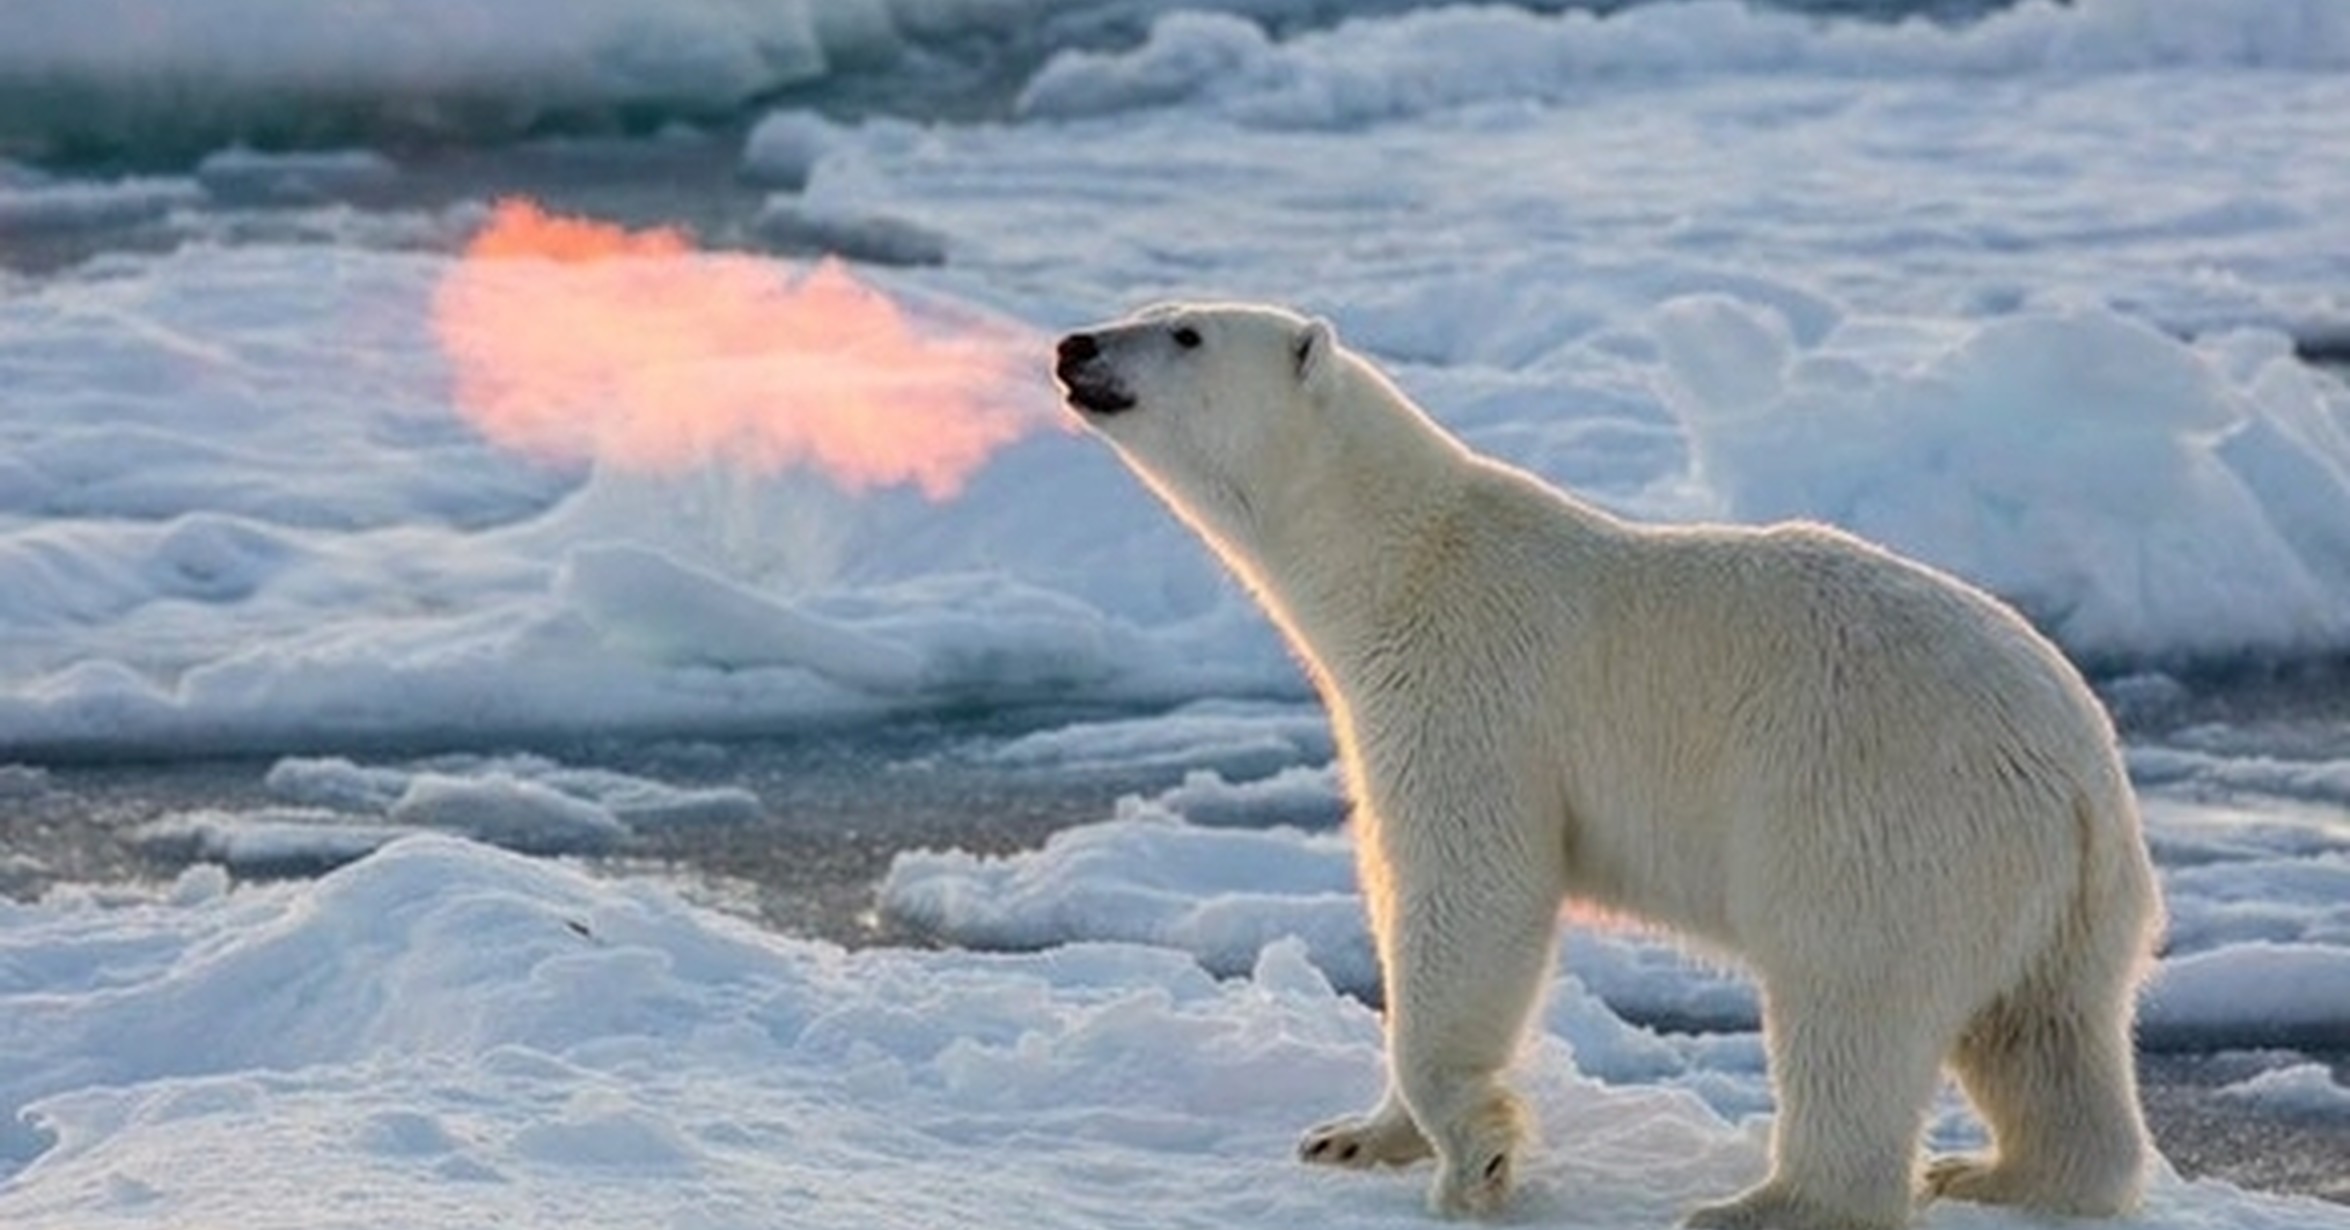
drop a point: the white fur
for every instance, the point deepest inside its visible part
(1875, 785)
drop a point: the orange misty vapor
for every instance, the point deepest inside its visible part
(579, 341)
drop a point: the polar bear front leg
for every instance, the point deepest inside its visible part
(1472, 921)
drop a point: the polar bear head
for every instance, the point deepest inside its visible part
(1216, 406)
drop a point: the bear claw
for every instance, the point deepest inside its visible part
(1483, 1196)
(1358, 1144)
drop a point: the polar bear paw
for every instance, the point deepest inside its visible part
(1988, 1180)
(1970, 1177)
(1775, 1207)
(1475, 1174)
(1363, 1141)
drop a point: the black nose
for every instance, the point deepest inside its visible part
(1078, 347)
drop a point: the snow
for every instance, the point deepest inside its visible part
(335, 810)
(1364, 72)
(2301, 1088)
(40, 205)
(241, 66)
(2022, 295)
(1740, 278)
(443, 1034)
(2104, 478)
(2256, 876)
(1218, 736)
(243, 175)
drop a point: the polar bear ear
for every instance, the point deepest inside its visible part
(1313, 351)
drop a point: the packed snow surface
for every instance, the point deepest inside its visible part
(446, 1035)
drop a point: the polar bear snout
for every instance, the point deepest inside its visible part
(1091, 386)
(1078, 348)
(1078, 363)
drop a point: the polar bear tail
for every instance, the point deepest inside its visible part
(2050, 1064)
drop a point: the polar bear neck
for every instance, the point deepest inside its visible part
(1360, 519)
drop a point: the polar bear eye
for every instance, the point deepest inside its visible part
(1187, 337)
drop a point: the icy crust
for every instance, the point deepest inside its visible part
(334, 810)
(444, 1035)
(2257, 883)
(1368, 71)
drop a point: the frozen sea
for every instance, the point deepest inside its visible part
(482, 737)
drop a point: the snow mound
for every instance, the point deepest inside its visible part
(2128, 491)
(444, 1035)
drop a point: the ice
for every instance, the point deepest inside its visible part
(446, 1035)
(2252, 994)
(2028, 295)
(2322, 781)
(1849, 280)
(1365, 72)
(2078, 464)
(672, 612)
(2301, 1088)
(35, 206)
(335, 810)
(1299, 796)
(1223, 892)
(878, 239)
(244, 175)
(267, 841)
(263, 71)
(784, 147)
(509, 812)
(1240, 738)
(1220, 894)
(2257, 884)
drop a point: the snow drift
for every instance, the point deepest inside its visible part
(442, 1035)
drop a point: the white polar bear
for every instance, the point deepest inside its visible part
(1875, 785)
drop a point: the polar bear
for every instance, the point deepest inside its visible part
(1874, 785)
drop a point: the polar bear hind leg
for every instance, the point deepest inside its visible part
(1852, 1103)
(2049, 1069)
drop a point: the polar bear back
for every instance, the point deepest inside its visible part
(1731, 715)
